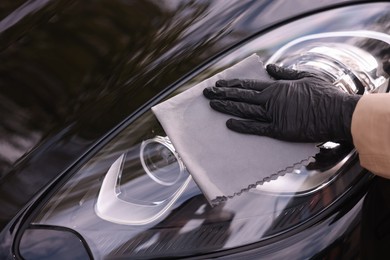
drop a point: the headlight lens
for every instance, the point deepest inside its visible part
(135, 198)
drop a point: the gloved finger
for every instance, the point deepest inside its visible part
(249, 127)
(278, 72)
(237, 94)
(240, 109)
(258, 85)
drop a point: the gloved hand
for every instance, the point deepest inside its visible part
(295, 106)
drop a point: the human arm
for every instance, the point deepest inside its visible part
(371, 133)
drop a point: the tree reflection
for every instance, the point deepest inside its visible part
(94, 62)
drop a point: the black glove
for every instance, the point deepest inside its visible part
(297, 106)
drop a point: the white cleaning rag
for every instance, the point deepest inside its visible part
(224, 163)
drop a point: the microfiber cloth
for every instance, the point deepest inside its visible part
(222, 162)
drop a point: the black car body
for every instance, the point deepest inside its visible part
(78, 80)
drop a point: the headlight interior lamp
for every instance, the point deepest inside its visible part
(160, 160)
(112, 208)
(351, 68)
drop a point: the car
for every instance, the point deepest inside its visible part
(88, 171)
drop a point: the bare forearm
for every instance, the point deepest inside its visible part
(371, 133)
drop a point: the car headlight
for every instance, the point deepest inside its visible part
(133, 197)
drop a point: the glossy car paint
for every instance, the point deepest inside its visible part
(98, 85)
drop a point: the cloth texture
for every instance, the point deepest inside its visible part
(371, 132)
(222, 162)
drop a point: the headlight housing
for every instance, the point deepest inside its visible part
(133, 197)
